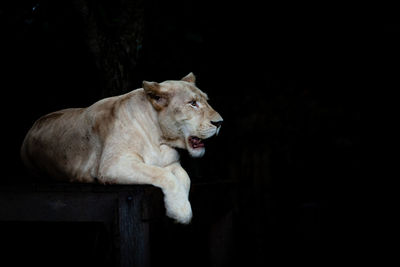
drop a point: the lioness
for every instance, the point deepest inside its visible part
(128, 139)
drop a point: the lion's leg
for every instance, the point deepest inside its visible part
(181, 174)
(128, 170)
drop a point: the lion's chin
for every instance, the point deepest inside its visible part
(195, 146)
(197, 152)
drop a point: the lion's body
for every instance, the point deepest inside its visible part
(127, 139)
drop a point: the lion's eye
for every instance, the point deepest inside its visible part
(193, 103)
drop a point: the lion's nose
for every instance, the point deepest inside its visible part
(216, 123)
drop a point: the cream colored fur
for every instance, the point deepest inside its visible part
(127, 139)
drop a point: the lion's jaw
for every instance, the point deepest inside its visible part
(195, 137)
(187, 135)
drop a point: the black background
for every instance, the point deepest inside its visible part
(288, 80)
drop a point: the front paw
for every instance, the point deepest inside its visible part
(179, 210)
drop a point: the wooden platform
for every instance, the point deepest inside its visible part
(131, 210)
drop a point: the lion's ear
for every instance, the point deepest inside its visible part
(189, 78)
(158, 99)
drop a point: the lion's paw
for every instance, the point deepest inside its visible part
(179, 210)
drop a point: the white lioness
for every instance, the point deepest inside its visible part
(128, 139)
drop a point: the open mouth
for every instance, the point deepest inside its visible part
(195, 142)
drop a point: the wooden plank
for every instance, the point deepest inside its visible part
(133, 231)
(53, 207)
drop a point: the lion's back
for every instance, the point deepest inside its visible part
(51, 146)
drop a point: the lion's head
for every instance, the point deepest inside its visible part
(185, 117)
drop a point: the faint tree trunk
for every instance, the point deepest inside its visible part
(114, 35)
